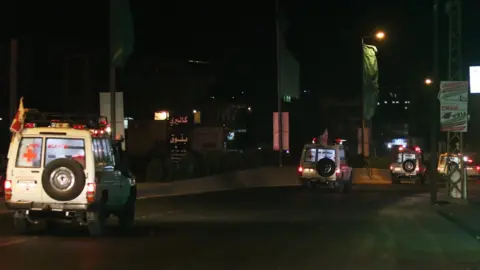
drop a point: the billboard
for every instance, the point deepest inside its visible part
(474, 75)
(453, 98)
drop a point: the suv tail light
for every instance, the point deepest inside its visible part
(91, 189)
(7, 190)
(300, 170)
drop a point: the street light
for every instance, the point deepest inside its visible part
(380, 35)
(428, 81)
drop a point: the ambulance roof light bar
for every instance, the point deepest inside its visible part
(34, 118)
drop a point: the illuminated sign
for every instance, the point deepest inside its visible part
(178, 120)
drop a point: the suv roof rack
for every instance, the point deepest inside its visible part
(45, 119)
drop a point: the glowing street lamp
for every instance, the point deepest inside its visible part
(428, 81)
(380, 35)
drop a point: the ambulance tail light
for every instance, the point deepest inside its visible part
(300, 170)
(91, 190)
(7, 190)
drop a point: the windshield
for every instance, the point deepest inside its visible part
(315, 154)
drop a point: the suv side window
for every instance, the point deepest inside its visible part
(102, 152)
(29, 153)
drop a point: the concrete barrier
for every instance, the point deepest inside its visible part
(261, 177)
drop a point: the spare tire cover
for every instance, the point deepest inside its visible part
(409, 165)
(63, 179)
(325, 167)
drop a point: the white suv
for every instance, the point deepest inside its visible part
(71, 173)
(325, 165)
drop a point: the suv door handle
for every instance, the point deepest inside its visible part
(35, 171)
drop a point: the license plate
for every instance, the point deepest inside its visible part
(27, 185)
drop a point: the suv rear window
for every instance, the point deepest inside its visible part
(30, 153)
(401, 157)
(65, 148)
(315, 154)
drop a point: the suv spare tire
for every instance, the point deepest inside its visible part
(409, 165)
(63, 179)
(325, 167)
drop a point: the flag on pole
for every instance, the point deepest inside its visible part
(324, 138)
(122, 37)
(370, 81)
(18, 121)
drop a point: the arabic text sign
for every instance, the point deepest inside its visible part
(453, 98)
(453, 117)
(453, 91)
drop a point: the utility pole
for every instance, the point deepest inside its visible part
(434, 113)
(279, 86)
(453, 9)
(13, 77)
(113, 121)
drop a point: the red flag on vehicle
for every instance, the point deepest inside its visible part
(324, 138)
(17, 123)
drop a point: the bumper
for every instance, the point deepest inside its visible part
(319, 181)
(55, 207)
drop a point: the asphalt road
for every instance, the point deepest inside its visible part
(375, 227)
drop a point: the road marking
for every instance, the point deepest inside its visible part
(12, 242)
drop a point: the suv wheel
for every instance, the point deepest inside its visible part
(97, 221)
(21, 223)
(126, 218)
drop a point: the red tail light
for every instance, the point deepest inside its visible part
(337, 171)
(7, 190)
(477, 168)
(29, 125)
(391, 167)
(79, 126)
(300, 170)
(91, 189)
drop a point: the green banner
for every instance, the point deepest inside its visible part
(121, 32)
(370, 87)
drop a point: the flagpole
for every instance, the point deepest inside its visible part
(279, 92)
(13, 77)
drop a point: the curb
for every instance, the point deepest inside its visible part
(463, 226)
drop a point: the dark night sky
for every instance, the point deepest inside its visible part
(325, 37)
